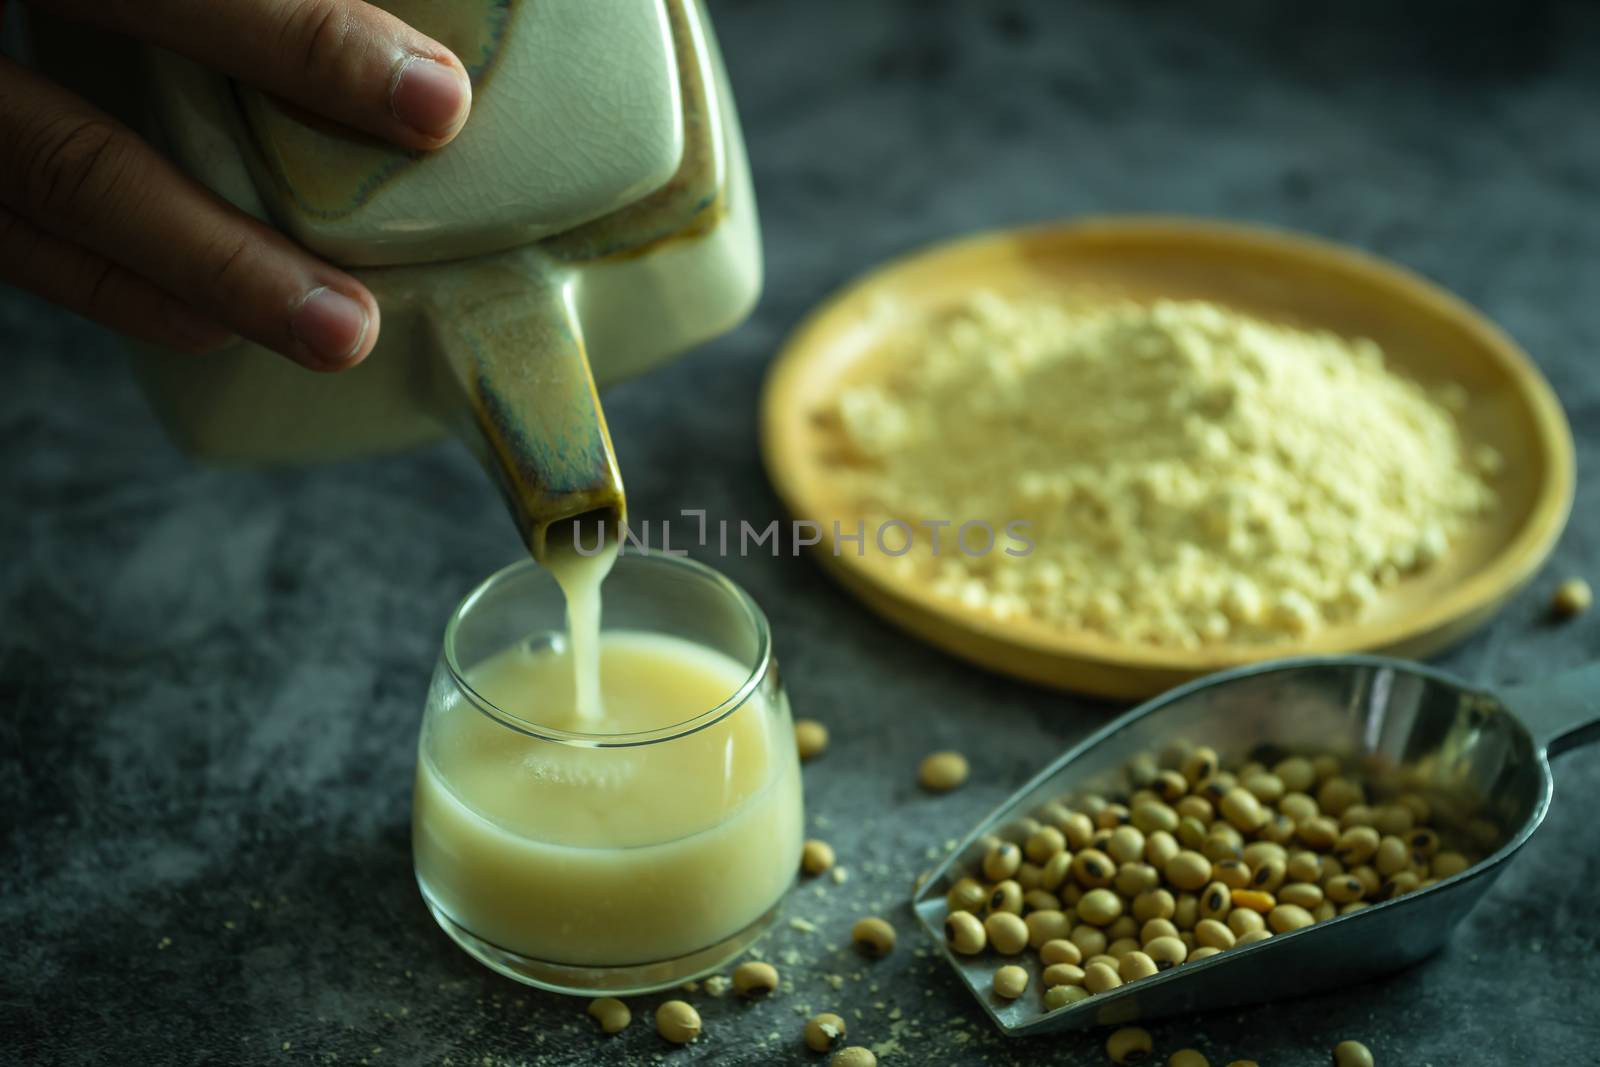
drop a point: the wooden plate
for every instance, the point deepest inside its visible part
(1425, 331)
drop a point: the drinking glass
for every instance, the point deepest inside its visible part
(588, 862)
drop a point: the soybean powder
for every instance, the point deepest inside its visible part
(1188, 474)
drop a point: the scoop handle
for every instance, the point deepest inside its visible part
(1561, 712)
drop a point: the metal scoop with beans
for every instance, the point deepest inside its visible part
(1261, 834)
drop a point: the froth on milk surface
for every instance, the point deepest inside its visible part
(608, 856)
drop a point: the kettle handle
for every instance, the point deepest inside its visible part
(510, 337)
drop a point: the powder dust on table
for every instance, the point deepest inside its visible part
(1188, 475)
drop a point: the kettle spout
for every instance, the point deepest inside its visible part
(523, 398)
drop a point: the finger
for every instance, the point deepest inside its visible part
(344, 59)
(81, 176)
(99, 289)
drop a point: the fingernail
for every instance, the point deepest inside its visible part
(430, 97)
(331, 325)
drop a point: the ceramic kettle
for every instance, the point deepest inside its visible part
(593, 218)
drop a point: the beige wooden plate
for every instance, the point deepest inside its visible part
(1425, 331)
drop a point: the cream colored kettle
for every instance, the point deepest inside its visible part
(595, 213)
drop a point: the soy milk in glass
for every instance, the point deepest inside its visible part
(628, 840)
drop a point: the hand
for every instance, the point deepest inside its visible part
(98, 221)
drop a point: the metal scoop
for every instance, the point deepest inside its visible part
(1481, 760)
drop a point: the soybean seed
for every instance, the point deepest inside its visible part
(1062, 995)
(1216, 900)
(1392, 856)
(1267, 787)
(1268, 875)
(1191, 832)
(1062, 974)
(964, 933)
(1126, 844)
(1159, 848)
(1008, 934)
(1304, 867)
(1201, 953)
(1243, 920)
(1154, 904)
(1007, 896)
(943, 771)
(1286, 917)
(1187, 1057)
(853, 1056)
(1193, 807)
(1091, 940)
(1134, 878)
(1100, 907)
(678, 1022)
(1394, 819)
(1305, 894)
(1098, 977)
(1153, 815)
(1170, 786)
(1336, 794)
(816, 856)
(1254, 899)
(1368, 877)
(1039, 900)
(1188, 870)
(755, 979)
(1060, 951)
(1093, 869)
(1325, 766)
(824, 1032)
(1002, 861)
(1155, 928)
(873, 936)
(1344, 889)
(1211, 933)
(1199, 765)
(1253, 936)
(1078, 828)
(1351, 1054)
(1296, 773)
(1010, 982)
(1319, 833)
(1055, 871)
(1402, 883)
(1298, 806)
(810, 738)
(1279, 829)
(1121, 946)
(1235, 874)
(1136, 965)
(1129, 1045)
(1186, 912)
(967, 894)
(1046, 926)
(1357, 845)
(1357, 815)
(1044, 843)
(1447, 864)
(1572, 597)
(612, 1015)
(1166, 951)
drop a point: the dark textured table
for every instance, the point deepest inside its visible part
(212, 680)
